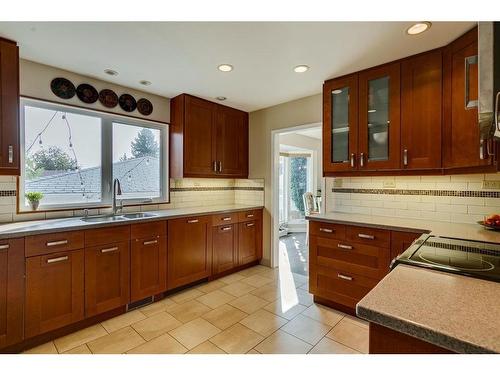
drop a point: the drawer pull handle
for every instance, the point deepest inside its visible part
(109, 250)
(193, 221)
(226, 219)
(225, 229)
(150, 242)
(57, 243)
(345, 247)
(326, 230)
(366, 236)
(250, 215)
(250, 224)
(344, 277)
(56, 260)
(4, 247)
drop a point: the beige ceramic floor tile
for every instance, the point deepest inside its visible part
(82, 349)
(186, 295)
(123, 320)
(164, 344)
(360, 322)
(156, 325)
(237, 339)
(305, 298)
(350, 334)
(283, 343)
(272, 273)
(257, 280)
(231, 278)
(78, 338)
(285, 311)
(249, 271)
(215, 299)
(188, 311)
(323, 314)
(327, 346)
(238, 289)
(47, 348)
(211, 286)
(157, 307)
(224, 316)
(269, 292)
(117, 342)
(306, 329)
(206, 348)
(263, 322)
(252, 351)
(194, 333)
(248, 303)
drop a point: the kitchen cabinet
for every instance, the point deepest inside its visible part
(248, 242)
(54, 291)
(421, 111)
(207, 139)
(189, 250)
(11, 291)
(148, 259)
(225, 248)
(107, 277)
(400, 241)
(9, 108)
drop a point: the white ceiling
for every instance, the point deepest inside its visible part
(315, 132)
(183, 57)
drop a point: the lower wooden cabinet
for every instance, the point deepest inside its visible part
(247, 242)
(11, 291)
(54, 291)
(107, 277)
(225, 247)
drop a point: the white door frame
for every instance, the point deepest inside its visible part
(275, 162)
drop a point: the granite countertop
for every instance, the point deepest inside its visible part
(25, 228)
(455, 312)
(436, 228)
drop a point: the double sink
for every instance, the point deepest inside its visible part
(109, 218)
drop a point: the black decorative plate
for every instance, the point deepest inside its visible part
(87, 93)
(108, 98)
(127, 103)
(487, 226)
(63, 88)
(144, 107)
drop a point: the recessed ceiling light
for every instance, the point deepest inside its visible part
(145, 83)
(418, 28)
(225, 67)
(372, 110)
(301, 69)
(336, 92)
(111, 72)
(221, 98)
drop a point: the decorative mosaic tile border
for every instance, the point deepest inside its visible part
(464, 248)
(8, 193)
(217, 188)
(436, 193)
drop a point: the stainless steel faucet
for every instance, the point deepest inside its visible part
(116, 184)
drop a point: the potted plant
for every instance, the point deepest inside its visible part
(34, 198)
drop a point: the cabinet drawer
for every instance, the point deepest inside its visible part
(249, 215)
(150, 229)
(329, 230)
(53, 242)
(224, 219)
(102, 236)
(369, 236)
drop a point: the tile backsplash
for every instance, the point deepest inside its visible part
(188, 192)
(457, 198)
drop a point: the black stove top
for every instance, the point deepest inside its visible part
(465, 257)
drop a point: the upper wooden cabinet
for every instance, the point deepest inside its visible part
(9, 108)
(207, 139)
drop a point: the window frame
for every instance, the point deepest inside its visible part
(107, 120)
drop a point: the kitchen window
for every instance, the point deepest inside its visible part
(71, 155)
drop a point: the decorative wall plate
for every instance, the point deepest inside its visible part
(108, 98)
(144, 107)
(62, 88)
(87, 93)
(127, 103)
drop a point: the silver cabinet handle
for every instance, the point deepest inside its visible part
(192, 221)
(345, 247)
(405, 157)
(497, 99)
(225, 229)
(11, 154)
(353, 160)
(220, 166)
(227, 218)
(326, 230)
(250, 224)
(109, 250)
(57, 243)
(470, 60)
(250, 215)
(344, 277)
(59, 259)
(362, 159)
(215, 166)
(482, 149)
(366, 236)
(150, 242)
(4, 247)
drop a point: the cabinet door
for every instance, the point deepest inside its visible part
(421, 103)
(379, 118)
(461, 138)
(9, 108)
(232, 142)
(199, 137)
(189, 250)
(107, 277)
(340, 124)
(224, 248)
(11, 291)
(247, 242)
(54, 291)
(400, 241)
(148, 267)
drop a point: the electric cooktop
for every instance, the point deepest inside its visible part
(464, 257)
